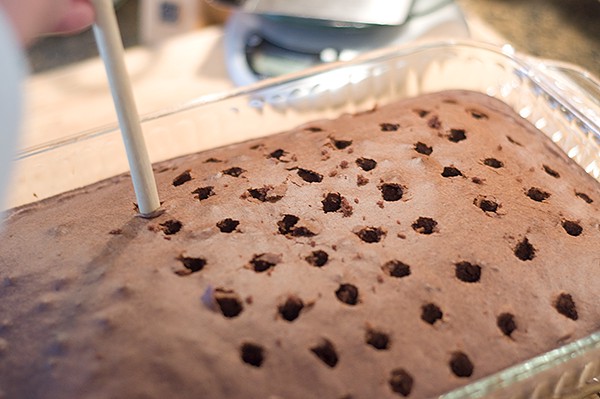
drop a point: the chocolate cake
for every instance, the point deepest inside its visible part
(401, 252)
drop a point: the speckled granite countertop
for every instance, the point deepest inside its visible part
(565, 30)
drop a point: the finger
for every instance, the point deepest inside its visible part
(80, 16)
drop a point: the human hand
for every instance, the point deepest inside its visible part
(33, 18)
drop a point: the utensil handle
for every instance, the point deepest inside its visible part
(110, 46)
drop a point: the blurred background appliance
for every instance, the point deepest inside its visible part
(267, 38)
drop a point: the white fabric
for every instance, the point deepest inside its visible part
(13, 69)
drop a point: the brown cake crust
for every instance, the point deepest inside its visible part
(404, 251)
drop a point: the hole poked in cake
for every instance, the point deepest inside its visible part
(572, 228)
(513, 141)
(396, 268)
(229, 303)
(288, 227)
(259, 193)
(366, 164)
(391, 191)
(565, 305)
(332, 202)
(431, 313)
(425, 225)
(317, 258)
(183, 178)
(493, 163)
(309, 176)
(370, 234)
(451, 171)
(234, 171)
(267, 193)
(401, 382)
(287, 224)
(584, 197)
(476, 114)
(265, 261)
(434, 122)
(326, 352)
(313, 129)
(171, 227)
(252, 354)
(204, 192)
(190, 264)
(537, 194)
(551, 171)
(347, 293)
(159, 169)
(389, 127)
(423, 148)
(340, 144)
(486, 204)
(506, 323)
(467, 272)
(461, 365)
(227, 225)
(277, 154)
(421, 112)
(457, 135)
(291, 308)
(524, 250)
(377, 339)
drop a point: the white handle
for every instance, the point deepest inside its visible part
(110, 46)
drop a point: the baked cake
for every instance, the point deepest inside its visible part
(401, 252)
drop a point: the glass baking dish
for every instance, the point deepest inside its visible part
(559, 99)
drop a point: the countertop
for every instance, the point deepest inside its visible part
(564, 30)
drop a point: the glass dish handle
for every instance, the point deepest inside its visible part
(577, 87)
(586, 81)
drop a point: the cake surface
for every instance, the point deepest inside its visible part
(401, 252)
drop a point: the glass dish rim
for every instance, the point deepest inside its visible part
(526, 369)
(525, 64)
